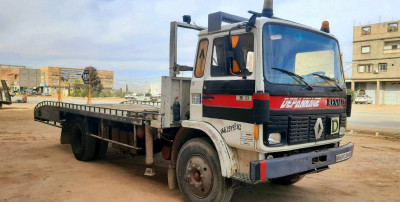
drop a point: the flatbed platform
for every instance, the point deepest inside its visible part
(55, 112)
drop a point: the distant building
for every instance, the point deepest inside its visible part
(20, 78)
(50, 80)
(107, 79)
(155, 89)
(376, 62)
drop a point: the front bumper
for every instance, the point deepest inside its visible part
(300, 163)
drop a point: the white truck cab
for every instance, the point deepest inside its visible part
(270, 95)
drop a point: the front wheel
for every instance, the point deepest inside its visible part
(199, 173)
(287, 180)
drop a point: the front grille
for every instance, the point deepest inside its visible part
(300, 129)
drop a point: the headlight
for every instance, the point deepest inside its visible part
(342, 131)
(274, 138)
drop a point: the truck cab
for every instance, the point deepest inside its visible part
(291, 98)
(273, 91)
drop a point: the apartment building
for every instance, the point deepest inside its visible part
(20, 78)
(376, 62)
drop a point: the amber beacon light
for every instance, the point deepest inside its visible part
(325, 26)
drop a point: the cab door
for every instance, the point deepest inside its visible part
(196, 86)
(227, 94)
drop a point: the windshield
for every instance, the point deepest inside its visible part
(302, 52)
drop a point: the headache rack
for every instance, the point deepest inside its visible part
(215, 20)
(52, 112)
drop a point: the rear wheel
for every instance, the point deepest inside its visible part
(101, 149)
(287, 180)
(101, 146)
(83, 146)
(199, 173)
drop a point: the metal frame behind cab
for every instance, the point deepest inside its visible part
(174, 68)
(215, 20)
(214, 24)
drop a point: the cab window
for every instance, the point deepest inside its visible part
(219, 65)
(201, 58)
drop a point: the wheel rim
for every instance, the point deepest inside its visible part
(198, 176)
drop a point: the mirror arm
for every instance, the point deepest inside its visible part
(179, 68)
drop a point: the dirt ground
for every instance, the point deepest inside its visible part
(372, 108)
(35, 167)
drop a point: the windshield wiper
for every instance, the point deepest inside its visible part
(329, 79)
(295, 76)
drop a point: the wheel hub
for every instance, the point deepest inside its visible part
(199, 176)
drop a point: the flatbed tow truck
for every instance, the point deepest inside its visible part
(266, 101)
(5, 97)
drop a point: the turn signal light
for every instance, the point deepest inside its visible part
(255, 132)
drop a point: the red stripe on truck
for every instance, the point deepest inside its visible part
(220, 100)
(263, 169)
(276, 102)
(261, 97)
(283, 102)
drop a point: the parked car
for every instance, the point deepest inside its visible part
(30, 92)
(363, 99)
(46, 94)
(143, 97)
(130, 96)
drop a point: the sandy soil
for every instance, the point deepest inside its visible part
(372, 108)
(35, 167)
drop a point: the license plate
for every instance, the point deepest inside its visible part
(343, 156)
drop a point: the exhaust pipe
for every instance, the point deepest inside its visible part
(268, 9)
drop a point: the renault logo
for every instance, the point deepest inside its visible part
(318, 128)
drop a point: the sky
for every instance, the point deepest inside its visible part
(131, 37)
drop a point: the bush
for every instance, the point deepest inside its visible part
(105, 93)
(79, 93)
(352, 93)
(94, 93)
(118, 93)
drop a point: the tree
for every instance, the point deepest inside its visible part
(95, 83)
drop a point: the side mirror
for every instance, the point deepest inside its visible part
(234, 56)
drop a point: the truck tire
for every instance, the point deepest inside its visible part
(199, 173)
(287, 180)
(101, 149)
(101, 146)
(83, 146)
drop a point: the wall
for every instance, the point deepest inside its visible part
(376, 40)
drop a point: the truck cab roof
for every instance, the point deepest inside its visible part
(261, 21)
